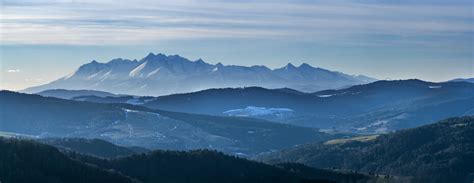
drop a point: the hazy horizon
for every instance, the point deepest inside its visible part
(429, 40)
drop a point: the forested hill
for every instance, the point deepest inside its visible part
(131, 125)
(441, 152)
(212, 166)
(28, 161)
(93, 147)
(23, 161)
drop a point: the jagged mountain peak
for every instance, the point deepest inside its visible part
(305, 65)
(289, 66)
(160, 74)
(120, 61)
(260, 67)
(150, 55)
(200, 61)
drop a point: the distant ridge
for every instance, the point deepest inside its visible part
(159, 74)
(69, 94)
(132, 125)
(377, 107)
(470, 80)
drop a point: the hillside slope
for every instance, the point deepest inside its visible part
(378, 107)
(93, 147)
(131, 125)
(440, 152)
(27, 161)
(68, 94)
(211, 166)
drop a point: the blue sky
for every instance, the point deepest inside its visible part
(431, 40)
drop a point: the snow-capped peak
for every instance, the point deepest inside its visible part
(162, 74)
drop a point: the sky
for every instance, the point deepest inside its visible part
(41, 41)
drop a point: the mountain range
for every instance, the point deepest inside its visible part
(147, 121)
(169, 74)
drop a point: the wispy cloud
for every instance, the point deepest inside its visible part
(33, 79)
(13, 70)
(87, 22)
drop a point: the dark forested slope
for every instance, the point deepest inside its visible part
(212, 166)
(94, 147)
(27, 161)
(440, 152)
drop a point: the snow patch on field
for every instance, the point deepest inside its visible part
(338, 94)
(259, 111)
(135, 111)
(135, 101)
(129, 110)
(325, 96)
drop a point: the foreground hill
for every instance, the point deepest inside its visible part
(132, 125)
(167, 74)
(378, 107)
(211, 166)
(441, 152)
(26, 161)
(93, 147)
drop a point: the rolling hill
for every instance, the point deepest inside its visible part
(68, 94)
(92, 147)
(29, 161)
(470, 80)
(440, 152)
(378, 107)
(132, 125)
